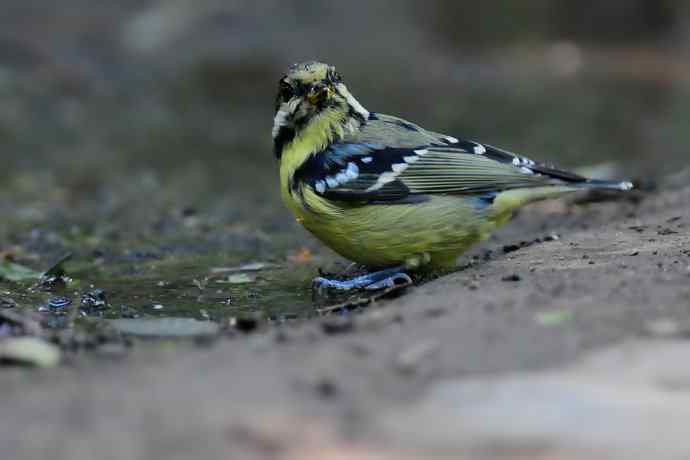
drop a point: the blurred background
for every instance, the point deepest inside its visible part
(134, 118)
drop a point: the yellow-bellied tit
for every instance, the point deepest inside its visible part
(389, 194)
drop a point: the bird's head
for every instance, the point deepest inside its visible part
(308, 91)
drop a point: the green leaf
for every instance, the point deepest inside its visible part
(15, 272)
(553, 318)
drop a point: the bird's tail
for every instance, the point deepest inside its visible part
(604, 184)
(510, 200)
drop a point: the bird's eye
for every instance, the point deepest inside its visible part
(334, 76)
(286, 91)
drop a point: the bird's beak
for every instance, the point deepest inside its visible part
(319, 94)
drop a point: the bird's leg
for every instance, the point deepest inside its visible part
(387, 278)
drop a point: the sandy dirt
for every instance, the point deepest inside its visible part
(460, 366)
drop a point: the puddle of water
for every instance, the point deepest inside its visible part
(177, 287)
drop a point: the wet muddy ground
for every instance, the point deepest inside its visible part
(563, 279)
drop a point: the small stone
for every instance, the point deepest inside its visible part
(435, 312)
(246, 323)
(57, 303)
(553, 317)
(634, 252)
(326, 388)
(337, 325)
(510, 248)
(662, 327)
(473, 285)
(6, 302)
(512, 278)
(410, 359)
(30, 351)
(93, 300)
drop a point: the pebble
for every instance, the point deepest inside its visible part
(513, 278)
(55, 304)
(30, 351)
(410, 359)
(337, 325)
(662, 327)
(326, 388)
(93, 300)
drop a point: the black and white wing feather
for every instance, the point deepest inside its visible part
(400, 162)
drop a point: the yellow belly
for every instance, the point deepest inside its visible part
(385, 235)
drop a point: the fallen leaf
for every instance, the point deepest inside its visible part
(15, 272)
(58, 268)
(302, 256)
(553, 318)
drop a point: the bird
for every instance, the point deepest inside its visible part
(388, 194)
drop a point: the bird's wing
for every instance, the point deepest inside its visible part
(403, 162)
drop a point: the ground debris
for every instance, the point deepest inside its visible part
(12, 271)
(93, 301)
(409, 360)
(514, 277)
(508, 248)
(553, 318)
(238, 278)
(246, 322)
(337, 325)
(665, 328)
(28, 324)
(56, 275)
(165, 327)
(6, 302)
(31, 351)
(249, 267)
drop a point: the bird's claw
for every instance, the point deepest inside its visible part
(371, 281)
(399, 279)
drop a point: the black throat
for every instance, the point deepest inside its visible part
(285, 135)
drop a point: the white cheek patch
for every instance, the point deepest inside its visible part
(282, 118)
(450, 139)
(354, 103)
(479, 149)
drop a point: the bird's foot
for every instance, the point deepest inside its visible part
(374, 281)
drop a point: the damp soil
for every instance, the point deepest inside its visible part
(562, 279)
